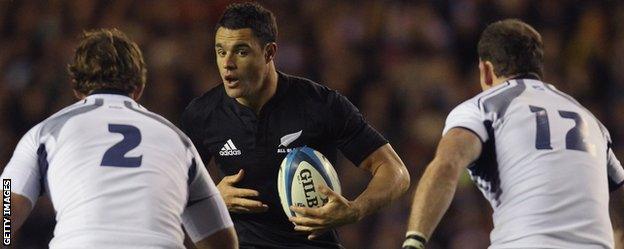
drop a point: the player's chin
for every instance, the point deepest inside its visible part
(234, 92)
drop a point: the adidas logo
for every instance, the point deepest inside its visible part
(229, 149)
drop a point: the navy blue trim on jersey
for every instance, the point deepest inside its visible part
(54, 125)
(530, 76)
(613, 186)
(161, 120)
(42, 160)
(500, 102)
(486, 166)
(192, 172)
(493, 92)
(191, 203)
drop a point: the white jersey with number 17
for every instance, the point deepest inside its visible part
(118, 176)
(546, 166)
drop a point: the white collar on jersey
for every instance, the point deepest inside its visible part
(110, 95)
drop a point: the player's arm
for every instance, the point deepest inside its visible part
(617, 216)
(390, 180)
(22, 176)
(456, 150)
(365, 147)
(615, 173)
(20, 209)
(206, 219)
(222, 239)
(208, 224)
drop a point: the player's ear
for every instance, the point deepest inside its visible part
(138, 92)
(486, 72)
(270, 51)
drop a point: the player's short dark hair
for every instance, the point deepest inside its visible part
(107, 59)
(513, 47)
(250, 15)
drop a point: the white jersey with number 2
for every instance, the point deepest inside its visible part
(118, 176)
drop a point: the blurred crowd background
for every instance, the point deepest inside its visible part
(405, 64)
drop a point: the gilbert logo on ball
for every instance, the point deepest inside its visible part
(300, 174)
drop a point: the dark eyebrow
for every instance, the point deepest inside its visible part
(236, 46)
(242, 45)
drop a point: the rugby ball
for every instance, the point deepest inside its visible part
(301, 172)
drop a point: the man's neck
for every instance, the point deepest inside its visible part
(501, 80)
(498, 81)
(264, 94)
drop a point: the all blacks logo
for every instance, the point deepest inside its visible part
(308, 186)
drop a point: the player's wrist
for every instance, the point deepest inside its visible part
(358, 210)
(414, 240)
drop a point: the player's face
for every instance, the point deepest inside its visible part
(241, 60)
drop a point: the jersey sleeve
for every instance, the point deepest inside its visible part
(615, 171)
(24, 167)
(468, 116)
(205, 212)
(356, 138)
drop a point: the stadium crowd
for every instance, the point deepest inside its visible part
(405, 64)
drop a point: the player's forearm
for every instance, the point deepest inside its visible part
(617, 217)
(433, 196)
(389, 182)
(222, 239)
(20, 209)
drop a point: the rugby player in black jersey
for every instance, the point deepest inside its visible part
(248, 124)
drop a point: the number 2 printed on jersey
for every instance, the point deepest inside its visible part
(115, 156)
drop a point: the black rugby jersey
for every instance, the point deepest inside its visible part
(300, 113)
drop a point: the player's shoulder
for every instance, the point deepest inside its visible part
(306, 89)
(149, 116)
(56, 120)
(469, 105)
(498, 99)
(500, 90)
(206, 103)
(210, 99)
(75, 106)
(475, 104)
(163, 123)
(582, 108)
